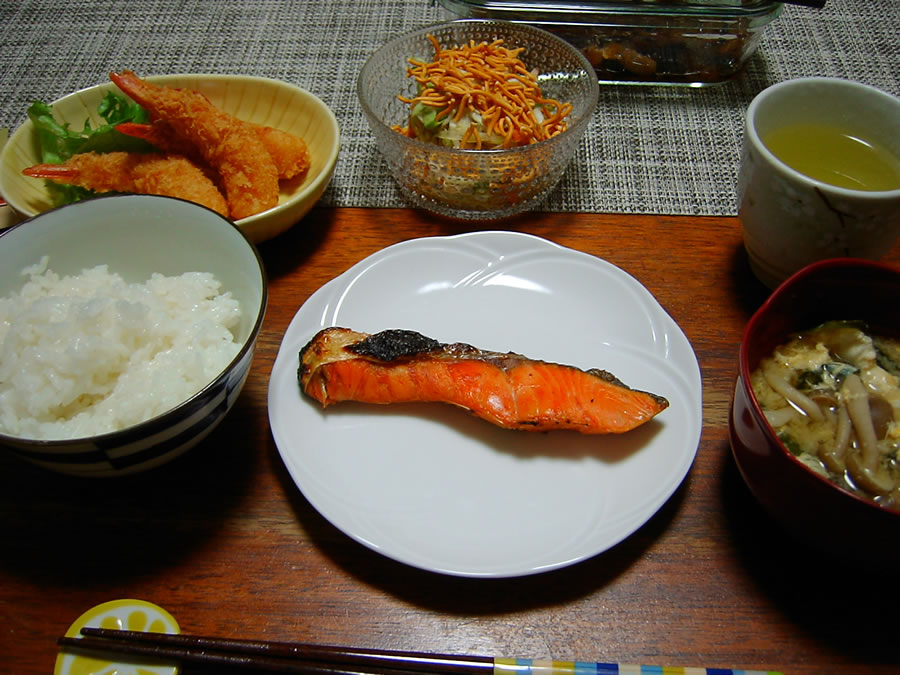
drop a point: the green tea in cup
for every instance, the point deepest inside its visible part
(835, 155)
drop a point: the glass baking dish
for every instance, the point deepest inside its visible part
(678, 42)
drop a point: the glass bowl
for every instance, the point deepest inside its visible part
(476, 184)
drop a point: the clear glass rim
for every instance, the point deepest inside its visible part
(579, 11)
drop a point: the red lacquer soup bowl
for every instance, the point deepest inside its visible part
(804, 502)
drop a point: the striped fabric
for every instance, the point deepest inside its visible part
(544, 667)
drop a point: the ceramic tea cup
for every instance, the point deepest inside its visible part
(819, 176)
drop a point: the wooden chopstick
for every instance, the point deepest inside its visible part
(291, 657)
(272, 656)
(162, 654)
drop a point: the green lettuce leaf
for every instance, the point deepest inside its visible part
(57, 141)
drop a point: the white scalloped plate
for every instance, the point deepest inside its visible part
(430, 485)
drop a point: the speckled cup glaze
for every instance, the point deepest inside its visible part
(791, 220)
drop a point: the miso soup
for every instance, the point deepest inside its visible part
(832, 394)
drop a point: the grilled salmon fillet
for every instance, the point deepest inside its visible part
(509, 390)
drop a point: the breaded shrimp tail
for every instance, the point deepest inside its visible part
(168, 175)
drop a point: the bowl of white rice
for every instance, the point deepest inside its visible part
(128, 325)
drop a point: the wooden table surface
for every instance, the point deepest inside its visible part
(224, 540)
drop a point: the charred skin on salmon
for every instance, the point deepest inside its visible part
(508, 390)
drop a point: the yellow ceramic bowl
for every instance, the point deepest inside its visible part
(254, 99)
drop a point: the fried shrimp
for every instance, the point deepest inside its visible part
(160, 136)
(289, 152)
(152, 173)
(228, 145)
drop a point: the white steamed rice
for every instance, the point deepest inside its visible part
(88, 354)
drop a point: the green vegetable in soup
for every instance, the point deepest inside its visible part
(825, 375)
(791, 444)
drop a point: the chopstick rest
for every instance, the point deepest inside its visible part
(313, 659)
(133, 613)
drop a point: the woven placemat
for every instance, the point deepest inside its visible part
(649, 149)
